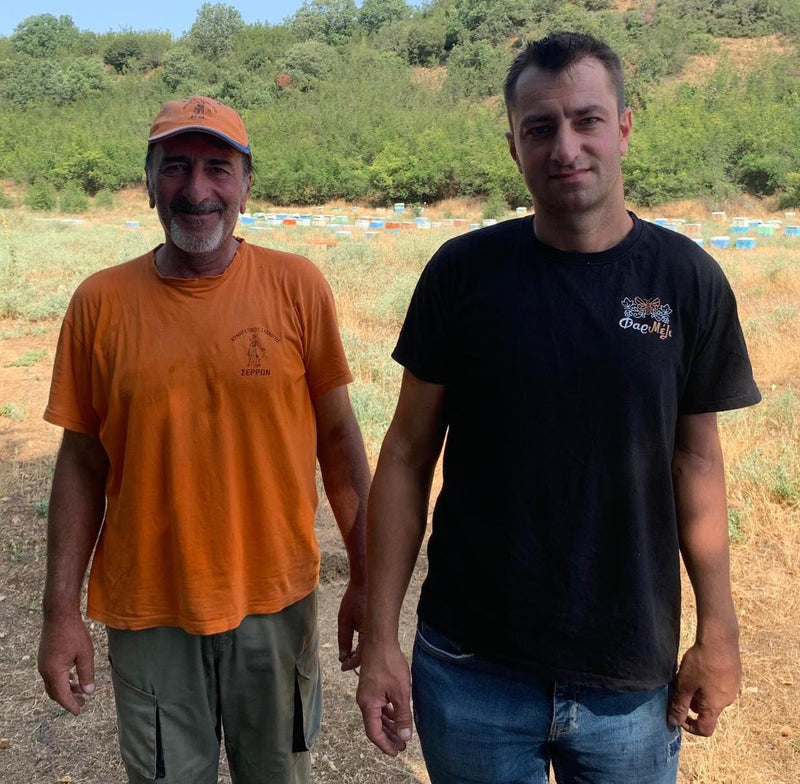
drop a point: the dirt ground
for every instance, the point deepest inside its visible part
(39, 742)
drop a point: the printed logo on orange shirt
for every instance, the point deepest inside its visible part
(251, 342)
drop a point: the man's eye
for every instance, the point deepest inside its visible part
(539, 130)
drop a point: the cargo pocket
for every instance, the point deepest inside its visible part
(139, 736)
(307, 698)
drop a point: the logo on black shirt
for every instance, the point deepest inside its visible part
(647, 316)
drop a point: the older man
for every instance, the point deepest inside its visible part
(197, 385)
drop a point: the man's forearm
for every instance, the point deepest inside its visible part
(710, 671)
(703, 529)
(397, 519)
(346, 477)
(76, 509)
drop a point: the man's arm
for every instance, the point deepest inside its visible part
(710, 672)
(345, 475)
(77, 506)
(397, 516)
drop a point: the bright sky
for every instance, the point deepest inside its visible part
(175, 16)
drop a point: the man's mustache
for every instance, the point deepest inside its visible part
(182, 204)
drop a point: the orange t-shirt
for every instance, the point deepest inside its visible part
(201, 391)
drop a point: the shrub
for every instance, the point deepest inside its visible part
(104, 199)
(41, 196)
(791, 197)
(761, 175)
(495, 205)
(73, 198)
(180, 68)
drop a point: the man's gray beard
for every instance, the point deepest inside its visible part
(196, 242)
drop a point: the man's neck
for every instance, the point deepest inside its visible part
(582, 233)
(172, 262)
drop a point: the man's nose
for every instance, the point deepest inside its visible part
(566, 146)
(197, 187)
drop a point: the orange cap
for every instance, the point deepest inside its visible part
(203, 115)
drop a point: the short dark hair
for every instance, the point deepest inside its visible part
(557, 52)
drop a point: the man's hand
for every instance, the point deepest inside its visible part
(707, 682)
(65, 644)
(351, 622)
(384, 696)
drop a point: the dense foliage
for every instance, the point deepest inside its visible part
(385, 102)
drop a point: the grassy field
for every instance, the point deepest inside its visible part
(43, 258)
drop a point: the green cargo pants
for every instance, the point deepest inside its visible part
(258, 686)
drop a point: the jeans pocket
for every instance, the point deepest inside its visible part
(437, 644)
(307, 698)
(137, 720)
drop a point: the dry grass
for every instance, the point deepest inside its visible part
(758, 740)
(741, 54)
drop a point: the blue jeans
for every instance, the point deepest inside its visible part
(479, 721)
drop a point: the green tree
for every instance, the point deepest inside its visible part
(307, 62)
(489, 20)
(259, 47)
(239, 89)
(331, 21)
(214, 30)
(421, 40)
(36, 81)
(124, 53)
(85, 76)
(45, 35)
(476, 69)
(87, 168)
(375, 14)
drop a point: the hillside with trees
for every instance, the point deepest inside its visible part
(388, 102)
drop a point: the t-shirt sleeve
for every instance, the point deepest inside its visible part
(324, 356)
(424, 346)
(721, 376)
(70, 402)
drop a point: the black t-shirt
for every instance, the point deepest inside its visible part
(554, 543)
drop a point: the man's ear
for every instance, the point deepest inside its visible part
(150, 191)
(512, 149)
(625, 127)
(246, 193)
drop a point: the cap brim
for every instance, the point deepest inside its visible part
(159, 137)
